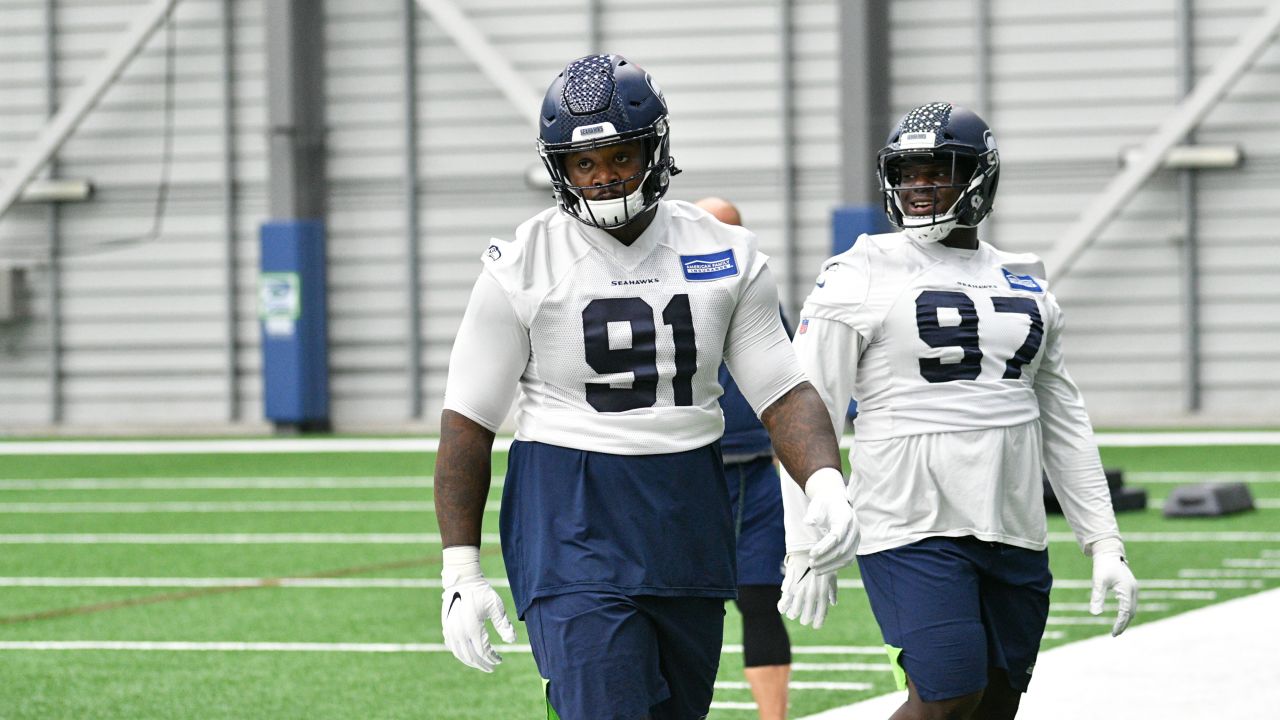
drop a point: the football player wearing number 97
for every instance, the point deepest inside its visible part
(953, 351)
(606, 319)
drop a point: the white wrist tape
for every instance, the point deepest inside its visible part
(825, 483)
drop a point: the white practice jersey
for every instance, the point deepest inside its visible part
(616, 348)
(954, 358)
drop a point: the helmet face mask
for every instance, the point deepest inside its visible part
(938, 171)
(598, 102)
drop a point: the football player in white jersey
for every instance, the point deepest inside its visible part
(606, 319)
(953, 350)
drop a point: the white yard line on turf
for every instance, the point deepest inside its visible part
(729, 705)
(1182, 537)
(798, 685)
(161, 646)
(434, 538)
(228, 483)
(832, 667)
(217, 483)
(1180, 477)
(201, 582)
(1266, 574)
(1155, 670)
(287, 506)
(425, 445)
(1252, 562)
(229, 539)
(1152, 588)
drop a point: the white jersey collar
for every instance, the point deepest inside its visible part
(630, 256)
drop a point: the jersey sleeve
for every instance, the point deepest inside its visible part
(841, 289)
(1071, 457)
(757, 349)
(828, 352)
(489, 355)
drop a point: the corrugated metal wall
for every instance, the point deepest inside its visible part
(129, 293)
(476, 153)
(162, 333)
(1070, 87)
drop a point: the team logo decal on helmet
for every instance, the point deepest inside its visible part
(595, 102)
(941, 134)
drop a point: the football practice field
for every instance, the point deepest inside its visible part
(270, 584)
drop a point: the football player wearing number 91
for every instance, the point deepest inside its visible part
(953, 351)
(608, 316)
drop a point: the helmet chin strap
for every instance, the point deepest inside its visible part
(617, 211)
(930, 233)
(929, 228)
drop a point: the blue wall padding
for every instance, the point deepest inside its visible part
(850, 221)
(295, 354)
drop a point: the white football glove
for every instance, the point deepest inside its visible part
(806, 594)
(468, 600)
(1112, 573)
(830, 512)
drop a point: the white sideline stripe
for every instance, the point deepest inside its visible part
(729, 705)
(1151, 671)
(298, 506)
(833, 667)
(424, 445)
(1267, 503)
(229, 539)
(797, 685)
(150, 645)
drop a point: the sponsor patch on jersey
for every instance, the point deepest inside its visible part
(1021, 282)
(709, 267)
(493, 253)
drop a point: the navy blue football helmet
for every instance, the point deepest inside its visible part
(948, 135)
(602, 100)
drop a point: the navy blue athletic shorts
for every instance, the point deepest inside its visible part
(757, 513)
(950, 607)
(608, 656)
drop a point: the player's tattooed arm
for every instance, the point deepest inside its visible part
(800, 430)
(463, 469)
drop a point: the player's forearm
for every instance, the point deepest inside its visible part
(800, 430)
(463, 469)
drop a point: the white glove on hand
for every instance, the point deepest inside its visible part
(468, 600)
(829, 511)
(1112, 573)
(805, 593)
